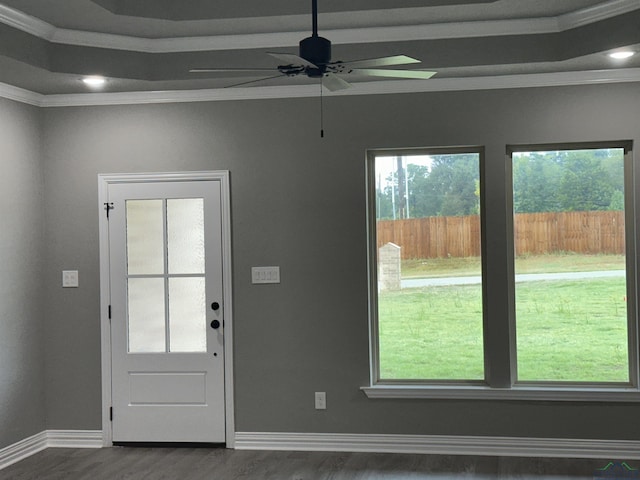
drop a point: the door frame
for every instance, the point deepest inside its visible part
(104, 180)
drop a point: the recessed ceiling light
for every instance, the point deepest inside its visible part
(94, 81)
(622, 54)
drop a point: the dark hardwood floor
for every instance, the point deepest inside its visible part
(133, 463)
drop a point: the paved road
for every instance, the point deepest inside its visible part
(525, 277)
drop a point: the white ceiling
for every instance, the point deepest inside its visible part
(147, 47)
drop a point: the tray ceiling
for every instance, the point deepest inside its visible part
(150, 45)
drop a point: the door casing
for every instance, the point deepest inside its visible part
(104, 180)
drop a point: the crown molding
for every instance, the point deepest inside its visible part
(21, 95)
(26, 23)
(176, 45)
(596, 13)
(338, 36)
(46, 31)
(298, 91)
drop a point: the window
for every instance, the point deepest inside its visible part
(562, 272)
(428, 296)
(572, 320)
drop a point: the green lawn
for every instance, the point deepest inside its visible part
(572, 330)
(433, 333)
(566, 330)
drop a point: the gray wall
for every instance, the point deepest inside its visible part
(298, 201)
(22, 401)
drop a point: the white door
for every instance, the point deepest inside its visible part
(167, 322)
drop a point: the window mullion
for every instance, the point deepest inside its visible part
(498, 255)
(632, 239)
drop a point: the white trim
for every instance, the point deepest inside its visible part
(21, 95)
(74, 439)
(443, 31)
(621, 75)
(596, 13)
(178, 44)
(105, 301)
(400, 33)
(578, 18)
(479, 392)
(31, 25)
(104, 180)
(22, 449)
(154, 177)
(227, 282)
(49, 439)
(440, 444)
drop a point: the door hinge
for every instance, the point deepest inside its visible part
(108, 206)
(109, 312)
(111, 414)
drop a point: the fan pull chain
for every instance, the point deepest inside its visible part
(321, 112)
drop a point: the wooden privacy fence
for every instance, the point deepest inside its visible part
(535, 233)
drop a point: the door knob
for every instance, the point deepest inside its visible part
(215, 306)
(215, 324)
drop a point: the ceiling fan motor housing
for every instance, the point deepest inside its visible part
(316, 50)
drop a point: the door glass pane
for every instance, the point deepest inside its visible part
(145, 237)
(146, 315)
(429, 268)
(185, 225)
(571, 289)
(187, 315)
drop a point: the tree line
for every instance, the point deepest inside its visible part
(568, 180)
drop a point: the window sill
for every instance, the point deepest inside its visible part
(479, 392)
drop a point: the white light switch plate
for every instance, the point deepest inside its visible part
(321, 400)
(265, 274)
(70, 279)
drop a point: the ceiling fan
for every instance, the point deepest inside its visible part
(314, 61)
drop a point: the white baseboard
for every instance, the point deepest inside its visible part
(340, 442)
(22, 449)
(441, 444)
(74, 439)
(49, 439)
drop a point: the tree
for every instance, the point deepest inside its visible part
(617, 201)
(612, 160)
(585, 184)
(448, 189)
(420, 199)
(536, 178)
(568, 180)
(384, 206)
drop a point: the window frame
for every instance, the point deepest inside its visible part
(372, 250)
(500, 382)
(630, 246)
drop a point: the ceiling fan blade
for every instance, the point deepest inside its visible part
(380, 72)
(231, 70)
(380, 62)
(253, 81)
(291, 59)
(334, 83)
